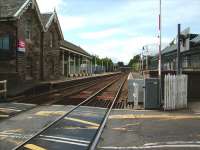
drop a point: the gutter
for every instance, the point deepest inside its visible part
(63, 48)
(21, 8)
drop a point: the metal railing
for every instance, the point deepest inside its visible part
(3, 90)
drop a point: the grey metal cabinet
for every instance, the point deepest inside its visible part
(151, 94)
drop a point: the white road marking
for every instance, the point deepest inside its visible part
(4, 116)
(173, 142)
(67, 139)
(156, 146)
(10, 109)
(67, 142)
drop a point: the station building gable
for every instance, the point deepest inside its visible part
(31, 43)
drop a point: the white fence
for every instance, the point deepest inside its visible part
(175, 94)
(3, 91)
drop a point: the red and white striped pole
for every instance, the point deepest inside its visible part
(159, 59)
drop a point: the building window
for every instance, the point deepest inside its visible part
(28, 30)
(51, 40)
(5, 42)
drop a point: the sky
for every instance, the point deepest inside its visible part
(118, 29)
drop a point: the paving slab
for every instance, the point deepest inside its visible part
(8, 110)
(131, 129)
(75, 132)
(16, 130)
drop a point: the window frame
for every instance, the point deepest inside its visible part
(28, 28)
(51, 40)
(2, 44)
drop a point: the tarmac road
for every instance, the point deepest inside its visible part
(129, 129)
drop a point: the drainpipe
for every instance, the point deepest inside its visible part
(16, 51)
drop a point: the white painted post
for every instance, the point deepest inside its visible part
(91, 67)
(135, 95)
(79, 64)
(74, 64)
(63, 59)
(69, 63)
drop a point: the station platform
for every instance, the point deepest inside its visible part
(18, 88)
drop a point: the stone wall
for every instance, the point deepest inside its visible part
(29, 63)
(39, 59)
(52, 55)
(8, 57)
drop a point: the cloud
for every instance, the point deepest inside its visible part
(124, 50)
(120, 29)
(101, 34)
(49, 5)
(71, 22)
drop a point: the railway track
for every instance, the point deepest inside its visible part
(73, 94)
(59, 95)
(58, 134)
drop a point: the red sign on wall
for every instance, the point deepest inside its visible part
(21, 46)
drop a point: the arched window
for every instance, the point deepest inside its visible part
(51, 39)
(28, 29)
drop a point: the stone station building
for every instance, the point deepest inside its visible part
(32, 45)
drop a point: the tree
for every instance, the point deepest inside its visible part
(120, 64)
(107, 62)
(134, 62)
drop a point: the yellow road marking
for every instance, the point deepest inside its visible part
(82, 121)
(34, 147)
(120, 129)
(131, 116)
(92, 127)
(50, 113)
(87, 127)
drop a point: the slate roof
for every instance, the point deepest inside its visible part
(45, 18)
(9, 7)
(169, 49)
(73, 47)
(196, 39)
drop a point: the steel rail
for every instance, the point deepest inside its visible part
(63, 116)
(100, 130)
(90, 83)
(23, 111)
